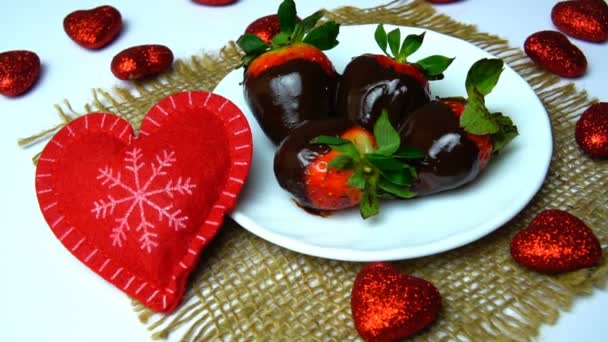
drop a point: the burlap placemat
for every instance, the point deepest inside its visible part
(248, 289)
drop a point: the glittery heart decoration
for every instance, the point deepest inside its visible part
(214, 2)
(94, 28)
(583, 19)
(556, 241)
(554, 52)
(591, 132)
(138, 210)
(19, 70)
(141, 61)
(387, 305)
(265, 27)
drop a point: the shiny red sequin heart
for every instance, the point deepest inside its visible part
(583, 19)
(554, 52)
(19, 70)
(556, 241)
(387, 305)
(138, 210)
(94, 28)
(591, 131)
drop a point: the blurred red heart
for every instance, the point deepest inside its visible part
(583, 19)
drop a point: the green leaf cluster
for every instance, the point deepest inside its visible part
(323, 37)
(432, 67)
(385, 171)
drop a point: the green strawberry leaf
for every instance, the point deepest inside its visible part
(410, 45)
(357, 179)
(408, 152)
(329, 140)
(383, 162)
(387, 137)
(476, 118)
(381, 38)
(323, 37)
(287, 16)
(399, 191)
(400, 177)
(251, 44)
(369, 200)
(281, 39)
(434, 66)
(507, 132)
(306, 25)
(483, 76)
(394, 40)
(341, 162)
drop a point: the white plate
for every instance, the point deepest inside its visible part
(413, 228)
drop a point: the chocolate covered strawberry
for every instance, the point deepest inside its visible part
(290, 80)
(458, 136)
(335, 164)
(372, 83)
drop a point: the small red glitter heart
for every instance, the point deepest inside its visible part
(141, 61)
(554, 52)
(265, 27)
(556, 241)
(583, 19)
(388, 305)
(94, 28)
(591, 132)
(19, 70)
(214, 2)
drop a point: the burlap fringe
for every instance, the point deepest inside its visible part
(499, 312)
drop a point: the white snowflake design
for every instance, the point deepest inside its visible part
(138, 194)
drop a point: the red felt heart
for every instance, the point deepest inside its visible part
(138, 210)
(556, 241)
(388, 306)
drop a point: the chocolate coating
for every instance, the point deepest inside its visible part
(283, 96)
(452, 159)
(367, 88)
(296, 153)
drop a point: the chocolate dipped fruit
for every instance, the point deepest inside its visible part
(290, 80)
(458, 136)
(372, 83)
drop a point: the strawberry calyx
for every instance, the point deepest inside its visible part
(306, 31)
(379, 170)
(432, 67)
(476, 118)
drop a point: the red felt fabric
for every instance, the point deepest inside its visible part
(138, 210)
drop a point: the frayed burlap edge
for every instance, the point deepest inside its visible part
(248, 289)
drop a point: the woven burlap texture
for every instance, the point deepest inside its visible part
(248, 289)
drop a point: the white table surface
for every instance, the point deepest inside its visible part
(47, 295)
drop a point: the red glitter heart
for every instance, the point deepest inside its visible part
(554, 52)
(387, 305)
(556, 241)
(138, 210)
(265, 27)
(19, 70)
(141, 61)
(583, 19)
(215, 2)
(591, 132)
(94, 28)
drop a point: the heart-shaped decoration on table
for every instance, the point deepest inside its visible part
(388, 305)
(556, 241)
(139, 210)
(93, 28)
(583, 19)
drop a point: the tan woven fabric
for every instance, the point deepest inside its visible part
(248, 289)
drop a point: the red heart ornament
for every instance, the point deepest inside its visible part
(591, 133)
(19, 70)
(93, 28)
(583, 19)
(387, 305)
(138, 210)
(556, 241)
(554, 52)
